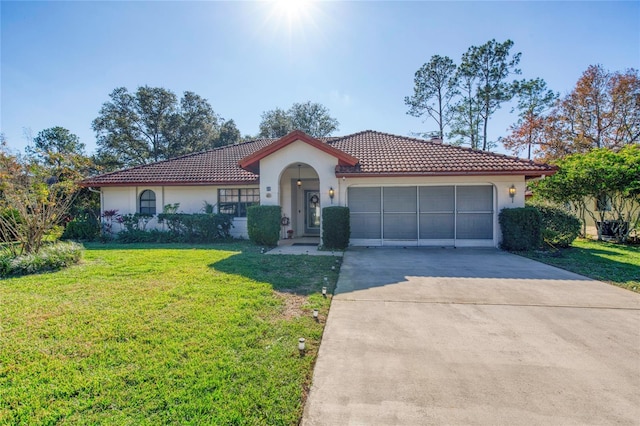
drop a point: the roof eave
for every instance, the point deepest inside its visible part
(528, 174)
(169, 183)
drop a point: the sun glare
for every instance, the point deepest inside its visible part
(294, 24)
(292, 10)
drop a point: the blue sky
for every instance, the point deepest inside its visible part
(60, 60)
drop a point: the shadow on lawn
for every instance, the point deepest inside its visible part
(225, 245)
(593, 263)
(297, 274)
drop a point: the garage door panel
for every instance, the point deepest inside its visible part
(400, 199)
(364, 200)
(400, 226)
(437, 199)
(475, 198)
(426, 213)
(437, 226)
(365, 226)
(475, 226)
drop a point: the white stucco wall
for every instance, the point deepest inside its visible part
(191, 199)
(273, 166)
(279, 172)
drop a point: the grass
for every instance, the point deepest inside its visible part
(147, 334)
(613, 263)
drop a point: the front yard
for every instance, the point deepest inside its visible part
(176, 334)
(614, 263)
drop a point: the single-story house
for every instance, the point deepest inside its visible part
(400, 190)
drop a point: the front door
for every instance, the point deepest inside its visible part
(312, 212)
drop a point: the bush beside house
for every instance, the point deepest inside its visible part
(263, 224)
(559, 228)
(521, 228)
(335, 227)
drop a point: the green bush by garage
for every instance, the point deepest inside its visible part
(559, 228)
(336, 228)
(521, 228)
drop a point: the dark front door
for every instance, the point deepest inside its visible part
(312, 212)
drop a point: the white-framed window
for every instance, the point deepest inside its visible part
(236, 201)
(147, 202)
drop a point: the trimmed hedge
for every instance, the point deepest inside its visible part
(559, 228)
(263, 224)
(336, 227)
(521, 228)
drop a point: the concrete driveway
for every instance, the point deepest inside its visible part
(474, 336)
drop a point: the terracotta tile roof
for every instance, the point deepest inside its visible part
(383, 154)
(218, 165)
(379, 154)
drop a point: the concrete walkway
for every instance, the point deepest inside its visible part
(474, 336)
(302, 246)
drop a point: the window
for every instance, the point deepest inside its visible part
(236, 201)
(603, 203)
(148, 202)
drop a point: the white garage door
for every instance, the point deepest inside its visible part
(422, 215)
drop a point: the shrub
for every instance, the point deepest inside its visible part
(263, 224)
(521, 228)
(135, 222)
(559, 228)
(137, 236)
(86, 228)
(336, 227)
(194, 228)
(48, 258)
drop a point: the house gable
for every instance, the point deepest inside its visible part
(252, 162)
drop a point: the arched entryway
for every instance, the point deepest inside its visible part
(300, 200)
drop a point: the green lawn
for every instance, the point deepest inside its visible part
(145, 334)
(614, 263)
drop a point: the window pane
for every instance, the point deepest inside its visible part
(235, 202)
(228, 208)
(148, 202)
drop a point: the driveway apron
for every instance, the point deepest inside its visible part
(474, 336)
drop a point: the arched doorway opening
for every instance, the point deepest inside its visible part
(300, 201)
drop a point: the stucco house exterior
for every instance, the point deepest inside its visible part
(400, 190)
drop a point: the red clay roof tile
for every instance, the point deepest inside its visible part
(379, 154)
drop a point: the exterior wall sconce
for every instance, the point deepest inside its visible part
(332, 193)
(299, 182)
(512, 192)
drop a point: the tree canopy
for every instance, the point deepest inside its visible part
(151, 125)
(34, 198)
(534, 99)
(466, 96)
(602, 111)
(312, 118)
(434, 88)
(600, 174)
